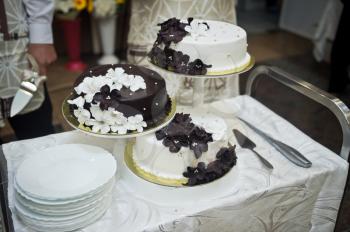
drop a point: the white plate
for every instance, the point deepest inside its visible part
(66, 219)
(65, 172)
(73, 225)
(70, 203)
(69, 209)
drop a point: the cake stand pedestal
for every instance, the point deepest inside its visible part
(199, 88)
(199, 80)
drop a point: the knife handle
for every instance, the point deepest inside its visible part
(263, 160)
(291, 154)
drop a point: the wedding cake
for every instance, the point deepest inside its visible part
(119, 99)
(189, 150)
(198, 47)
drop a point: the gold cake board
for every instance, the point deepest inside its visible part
(214, 74)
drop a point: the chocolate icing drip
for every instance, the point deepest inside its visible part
(225, 159)
(152, 103)
(181, 132)
(173, 31)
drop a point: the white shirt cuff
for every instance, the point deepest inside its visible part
(40, 33)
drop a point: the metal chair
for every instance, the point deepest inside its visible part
(292, 98)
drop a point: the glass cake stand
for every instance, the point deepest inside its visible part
(198, 80)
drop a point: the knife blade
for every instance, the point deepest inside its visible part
(26, 91)
(245, 142)
(287, 151)
(20, 100)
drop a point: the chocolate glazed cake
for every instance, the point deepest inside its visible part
(150, 101)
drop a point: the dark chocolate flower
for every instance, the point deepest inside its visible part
(173, 34)
(106, 98)
(227, 156)
(181, 132)
(158, 57)
(197, 67)
(226, 159)
(161, 134)
(173, 145)
(199, 141)
(171, 30)
(198, 148)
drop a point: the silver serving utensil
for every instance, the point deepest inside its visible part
(287, 151)
(27, 89)
(245, 142)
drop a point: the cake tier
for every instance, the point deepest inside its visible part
(151, 102)
(153, 157)
(222, 45)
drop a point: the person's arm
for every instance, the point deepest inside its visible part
(40, 14)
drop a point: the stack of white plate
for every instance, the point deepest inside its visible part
(64, 188)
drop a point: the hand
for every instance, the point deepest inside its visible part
(44, 54)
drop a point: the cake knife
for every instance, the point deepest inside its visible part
(287, 151)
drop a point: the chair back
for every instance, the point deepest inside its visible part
(323, 117)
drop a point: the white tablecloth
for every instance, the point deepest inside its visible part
(290, 198)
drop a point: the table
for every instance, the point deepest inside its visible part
(290, 198)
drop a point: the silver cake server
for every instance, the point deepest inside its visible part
(246, 143)
(28, 87)
(287, 151)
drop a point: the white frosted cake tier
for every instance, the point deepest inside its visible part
(153, 157)
(223, 45)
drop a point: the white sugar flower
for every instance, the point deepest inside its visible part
(127, 80)
(122, 130)
(118, 117)
(120, 122)
(98, 126)
(82, 115)
(116, 77)
(115, 73)
(136, 123)
(102, 120)
(79, 102)
(101, 115)
(91, 85)
(137, 83)
(197, 29)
